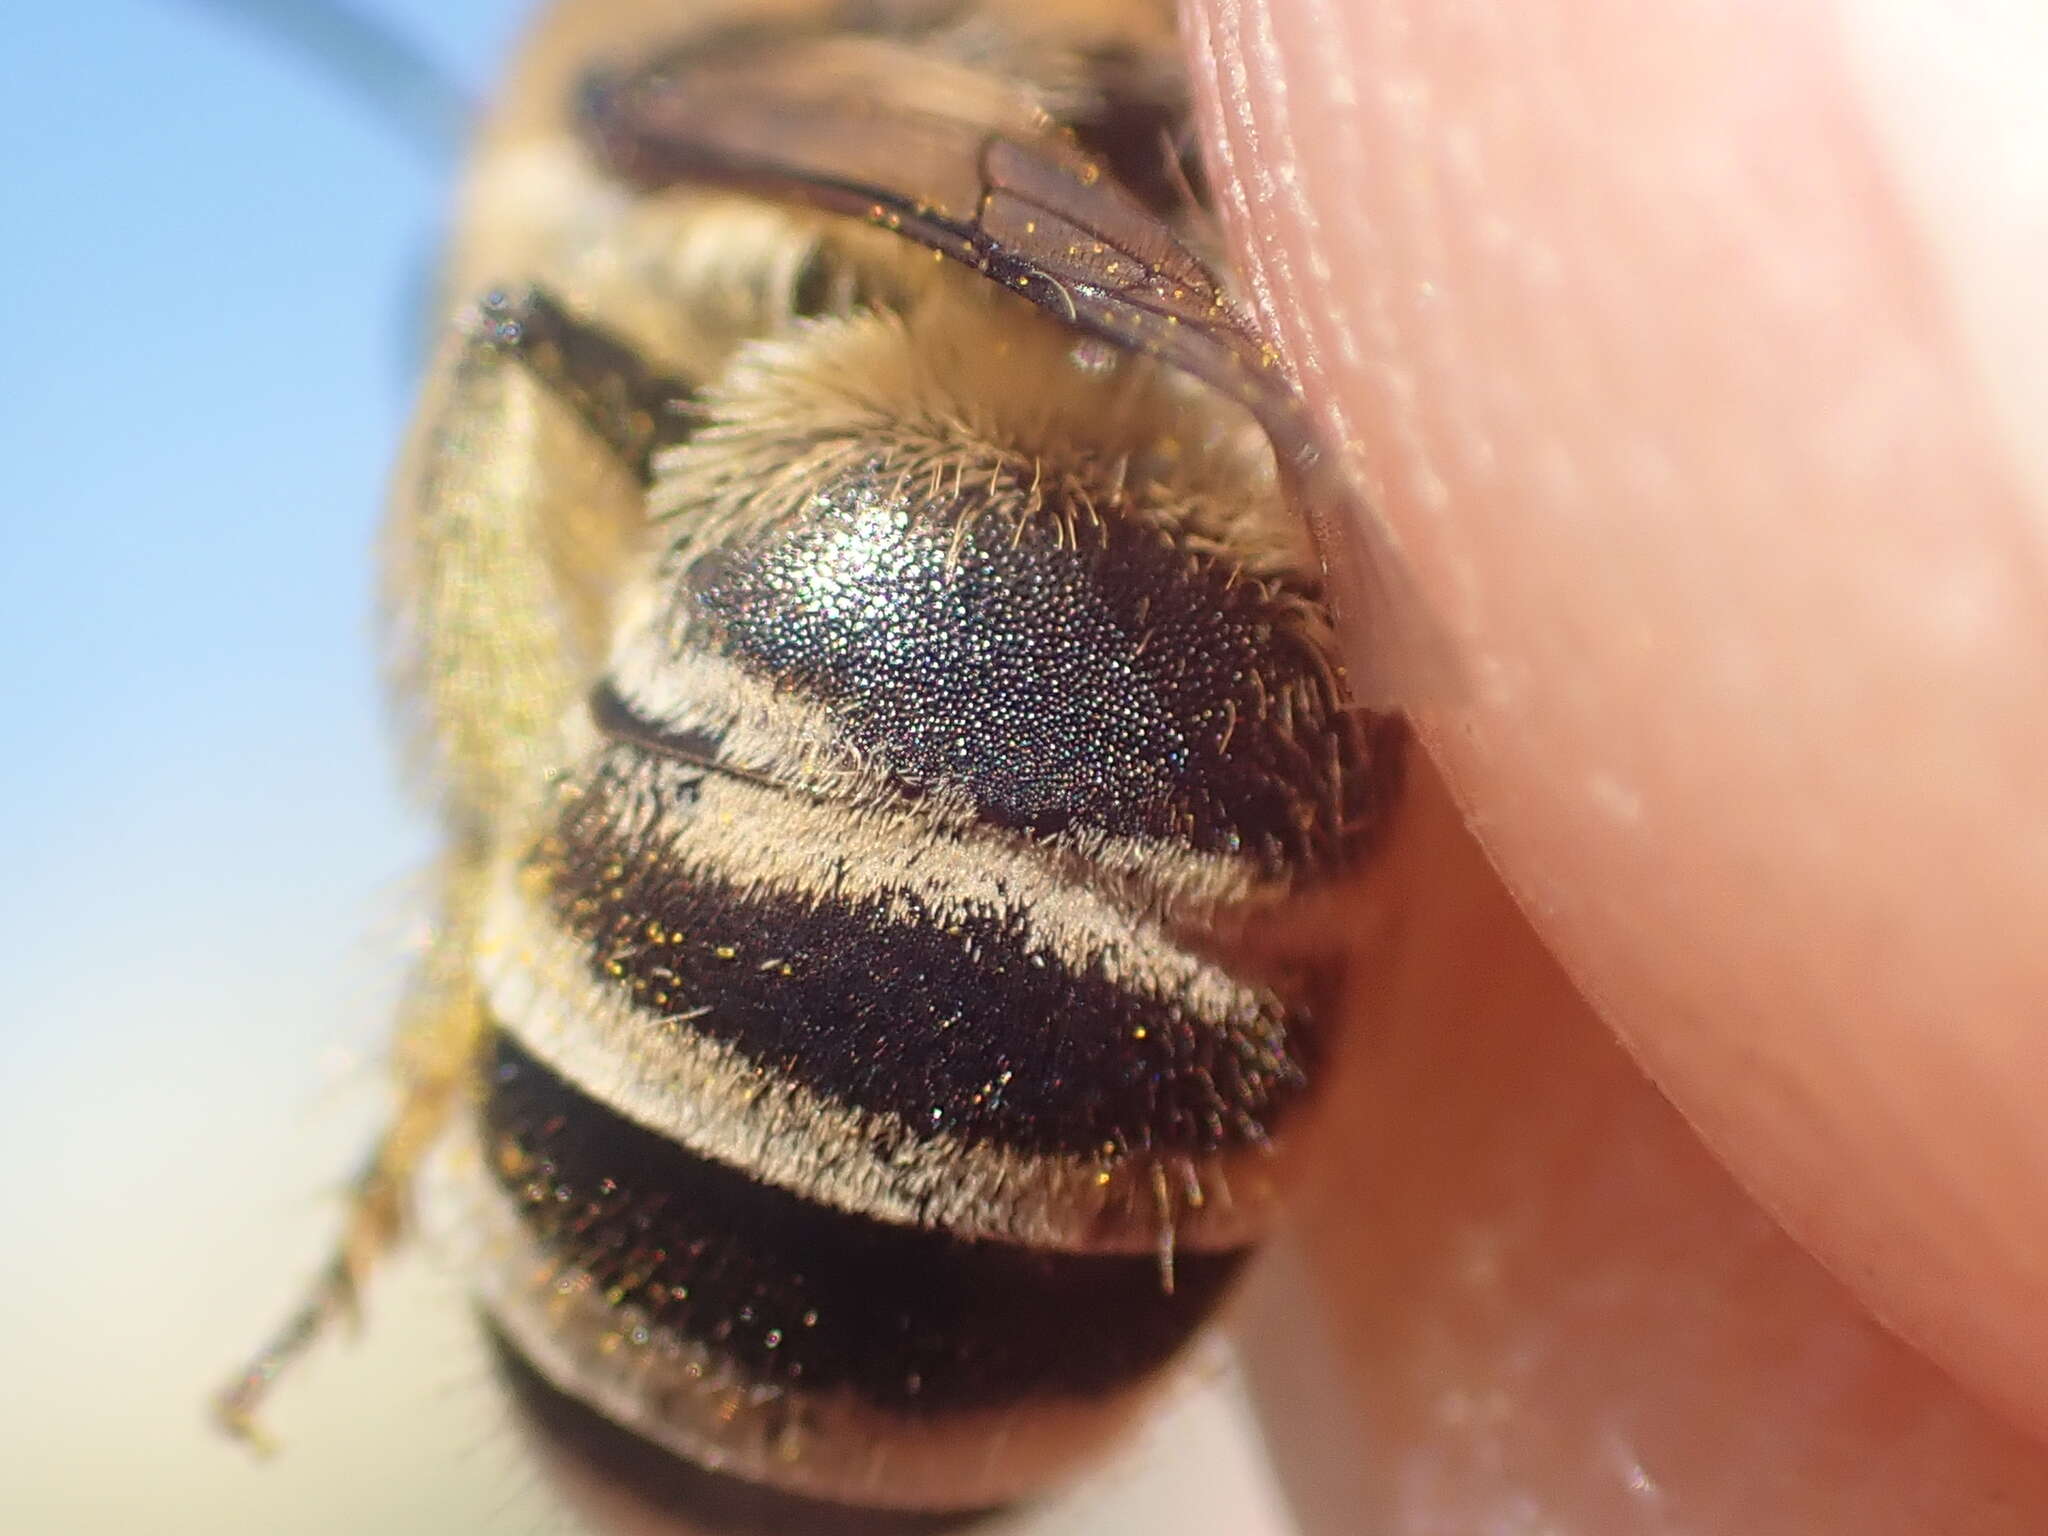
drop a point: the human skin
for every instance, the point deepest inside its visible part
(1690, 361)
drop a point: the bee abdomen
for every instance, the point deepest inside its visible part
(1062, 668)
(802, 1296)
(741, 1324)
(991, 1022)
(906, 1027)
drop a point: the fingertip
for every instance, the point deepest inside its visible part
(1671, 432)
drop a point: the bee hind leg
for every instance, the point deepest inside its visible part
(512, 520)
(375, 1224)
(440, 1030)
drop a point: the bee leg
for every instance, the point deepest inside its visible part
(519, 507)
(375, 1219)
(439, 1030)
(633, 410)
(517, 510)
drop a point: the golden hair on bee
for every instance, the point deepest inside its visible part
(851, 596)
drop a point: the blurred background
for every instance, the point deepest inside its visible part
(211, 301)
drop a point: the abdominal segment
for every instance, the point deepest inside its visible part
(788, 1342)
(840, 1135)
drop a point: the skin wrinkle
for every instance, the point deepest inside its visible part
(1273, 161)
(1777, 874)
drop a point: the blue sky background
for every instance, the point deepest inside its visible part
(207, 319)
(207, 316)
(209, 309)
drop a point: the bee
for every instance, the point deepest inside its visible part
(852, 591)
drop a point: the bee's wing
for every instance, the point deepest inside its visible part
(972, 170)
(1015, 201)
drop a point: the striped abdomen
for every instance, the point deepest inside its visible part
(869, 1111)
